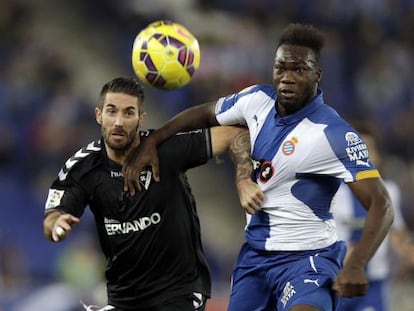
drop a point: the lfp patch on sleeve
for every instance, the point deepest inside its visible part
(53, 198)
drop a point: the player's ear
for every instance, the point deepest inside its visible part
(98, 115)
(318, 75)
(142, 118)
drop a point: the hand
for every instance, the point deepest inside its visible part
(137, 159)
(351, 282)
(62, 226)
(250, 195)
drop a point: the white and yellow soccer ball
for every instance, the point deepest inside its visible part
(165, 55)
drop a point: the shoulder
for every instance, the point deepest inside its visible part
(181, 139)
(334, 125)
(247, 101)
(186, 149)
(344, 138)
(82, 161)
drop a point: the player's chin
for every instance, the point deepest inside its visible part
(287, 100)
(119, 143)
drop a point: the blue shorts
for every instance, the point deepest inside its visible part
(270, 281)
(377, 298)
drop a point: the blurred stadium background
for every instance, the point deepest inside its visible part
(55, 56)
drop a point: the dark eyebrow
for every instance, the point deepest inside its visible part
(109, 105)
(309, 63)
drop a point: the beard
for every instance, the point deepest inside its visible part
(122, 144)
(118, 146)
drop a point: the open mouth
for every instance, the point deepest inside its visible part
(287, 93)
(118, 135)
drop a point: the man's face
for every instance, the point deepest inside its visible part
(119, 120)
(295, 77)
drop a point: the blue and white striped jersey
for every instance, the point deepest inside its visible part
(300, 161)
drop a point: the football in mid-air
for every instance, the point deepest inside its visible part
(165, 55)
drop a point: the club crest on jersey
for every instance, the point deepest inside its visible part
(356, 150)
(288, 147)
(145, 178)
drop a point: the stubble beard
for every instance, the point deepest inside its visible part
(117, 146)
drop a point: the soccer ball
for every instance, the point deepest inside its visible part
(165, 55)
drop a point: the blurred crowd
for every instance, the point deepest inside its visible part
(55, 55)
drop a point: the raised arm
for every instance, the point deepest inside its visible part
(372, 194)
(201, 116)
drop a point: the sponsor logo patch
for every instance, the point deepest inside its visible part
(357, 151)
(114, 227)
(53, 198)
(266, 171)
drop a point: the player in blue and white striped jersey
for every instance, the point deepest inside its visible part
(302, 151)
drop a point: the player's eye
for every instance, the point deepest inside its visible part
(279, 69)
(130, 112)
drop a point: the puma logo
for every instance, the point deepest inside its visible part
(316, 282)
(360, 162)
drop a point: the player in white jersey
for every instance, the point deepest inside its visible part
(303, 150)
(350, 217)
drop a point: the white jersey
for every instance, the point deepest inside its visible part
(350, 218)
(300, 161)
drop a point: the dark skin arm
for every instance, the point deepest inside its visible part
(232, 139)
(201, 116)
(352, 280)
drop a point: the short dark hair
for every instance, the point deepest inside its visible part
(303, 35)
(126, 85)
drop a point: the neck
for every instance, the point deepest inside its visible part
(117, 156)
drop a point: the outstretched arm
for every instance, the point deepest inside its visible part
(352, 281)
(236, 141)
(201, 116)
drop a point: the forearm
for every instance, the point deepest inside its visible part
(240, 154)
(250, 195)
(201, 116)
(377, 225)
